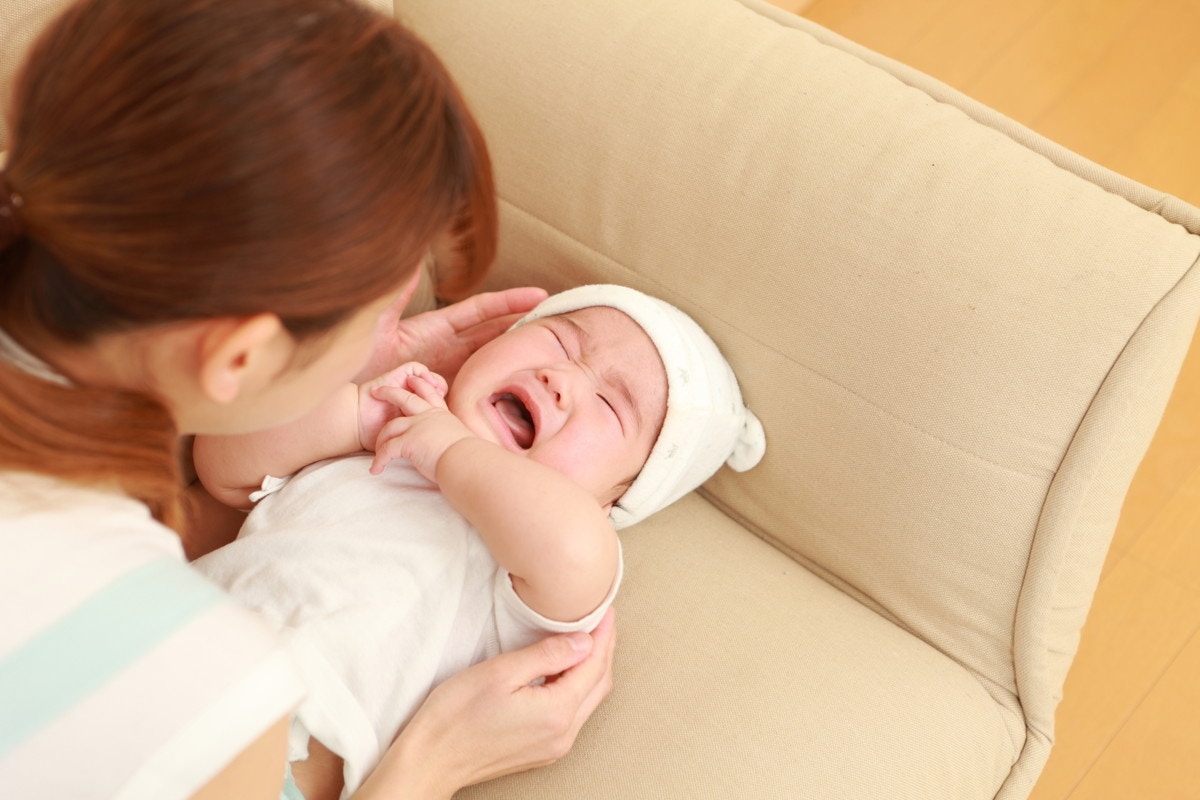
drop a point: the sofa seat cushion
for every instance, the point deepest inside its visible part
(741, 674)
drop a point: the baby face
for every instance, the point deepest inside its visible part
(584, 393)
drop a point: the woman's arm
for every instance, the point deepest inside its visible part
(255, 773)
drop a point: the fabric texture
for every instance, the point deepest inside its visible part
(958, 336)
(706, 424)
(381, 591)
(122, 672)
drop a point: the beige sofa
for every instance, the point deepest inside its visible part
(959, 336)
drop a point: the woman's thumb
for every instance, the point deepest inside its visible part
(551, 656)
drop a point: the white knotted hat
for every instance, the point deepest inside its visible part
(706, 423)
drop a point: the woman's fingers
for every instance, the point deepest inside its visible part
(489, 306)
(489, 720)
(551, 656)
(444, 338)
(592, 678)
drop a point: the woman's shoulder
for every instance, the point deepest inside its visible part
(100, 615)
(65, 549)
(55, 526)
(33, 503)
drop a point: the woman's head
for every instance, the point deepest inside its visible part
(183, 159)
(180, 161)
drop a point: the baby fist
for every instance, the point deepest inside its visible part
(377, 408)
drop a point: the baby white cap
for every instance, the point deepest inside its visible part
(706, 423)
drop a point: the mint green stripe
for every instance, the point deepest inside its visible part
(290, 790)
(77, 654)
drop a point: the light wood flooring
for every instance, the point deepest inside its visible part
(1118, 81)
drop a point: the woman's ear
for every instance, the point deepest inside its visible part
(233, 351)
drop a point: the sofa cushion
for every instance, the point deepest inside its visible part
(740, 674)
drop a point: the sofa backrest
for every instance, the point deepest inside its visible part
(959, 337)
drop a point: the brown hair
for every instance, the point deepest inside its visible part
(187, 159)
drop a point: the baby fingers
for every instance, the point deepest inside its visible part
(390, 444)
(430, 387)
(410, 403)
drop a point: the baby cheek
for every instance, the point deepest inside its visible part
(568, 462)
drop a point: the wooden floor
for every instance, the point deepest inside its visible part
(1119, 82)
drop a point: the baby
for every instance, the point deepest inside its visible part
(485, 519)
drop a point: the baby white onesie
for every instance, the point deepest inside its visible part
(380, 590)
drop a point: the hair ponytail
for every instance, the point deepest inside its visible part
(94, 436)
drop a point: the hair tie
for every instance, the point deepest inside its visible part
(10, 203)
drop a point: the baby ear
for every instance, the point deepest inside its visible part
(615, 494)
(233, 350)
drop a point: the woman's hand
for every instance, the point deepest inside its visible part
(443, 339)
(489, 721)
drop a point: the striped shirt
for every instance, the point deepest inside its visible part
(123, 673)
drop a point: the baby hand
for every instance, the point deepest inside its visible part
(375, 412)
(426, 430)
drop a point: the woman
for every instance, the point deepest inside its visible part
(205, 209)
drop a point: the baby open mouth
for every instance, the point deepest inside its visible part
(518, 419)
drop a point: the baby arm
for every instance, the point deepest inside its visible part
(544, 529)
(231, 467)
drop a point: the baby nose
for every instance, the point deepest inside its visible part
(556, 381)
